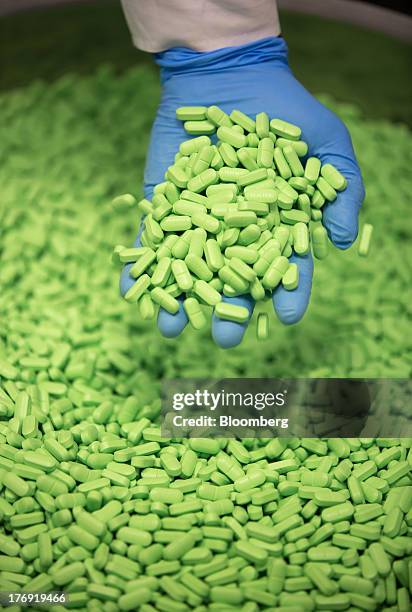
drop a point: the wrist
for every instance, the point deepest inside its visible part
(184, 61)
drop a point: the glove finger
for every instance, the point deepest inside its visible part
(341, 216)
(228, 334)
(172, 325)
(290, 306)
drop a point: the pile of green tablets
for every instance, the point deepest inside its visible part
(97, 503)
(80, 380)
(229, 216)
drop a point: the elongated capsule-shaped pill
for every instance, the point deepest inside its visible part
(246, 159)
(142, 263)
(262, 125)
(197, 242)
(228, 155)
(137, 289)
(186, 208)
(217, 116)
(225, 192)
(177, 176)
(326, 190)
(290, 279)
(181, 247)
(240, 219)
(254, 192)
(248, 235)
(300, 146)
(231, 312)
(266, 257)
(231, 278)
(213, 255)
(259, 208)
(161, 272)
(176, 223)
(164, 299)
(207, 293)
(254, 176)
(146, 307)
(293, 161)
(132, 254)
(246, 254)
(231, 175)
(299, 184)
(207, 222)
(285, 129)
(300, 235)
(182, 275)
(199, 267)
(320, 243)
(365, 240)
(191, 113)
(291, 217)
(333, 177)
(257, 291)
(265, 153)
(199, 127)
(232, 137)
(242, 269)
(194, 312)
(275, 272)
(281, 163)
(262, 326)
(246, 122)
(312, 169)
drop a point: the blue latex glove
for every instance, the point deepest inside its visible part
(252, 78)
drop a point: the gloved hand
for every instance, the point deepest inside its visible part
(252, 78)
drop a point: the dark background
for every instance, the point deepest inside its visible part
(394, 5)
(358, 65)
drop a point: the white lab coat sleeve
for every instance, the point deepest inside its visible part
(202, 25)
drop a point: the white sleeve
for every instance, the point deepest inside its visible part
(203, 25)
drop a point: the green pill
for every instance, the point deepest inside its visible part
(246, 122)
(285, 129)
(166, 301)
(217, 116)
(232, 137)
(312, 170)
(365, 240)
(207, 222)
(199, 267)
(213, 255)
(199, 127)
(231, 312)
(300, 235)
(228, 155)
(191, 113)
(246, 159)
(206, 293)
(326, 190)
(281, 164)
(290, 279)
(194, 312)
(333, 177)
(294, 216)
(293, 161)
(182, 275)
(275, 272)
(320, 242)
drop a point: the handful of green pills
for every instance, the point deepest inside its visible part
(229, 216)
